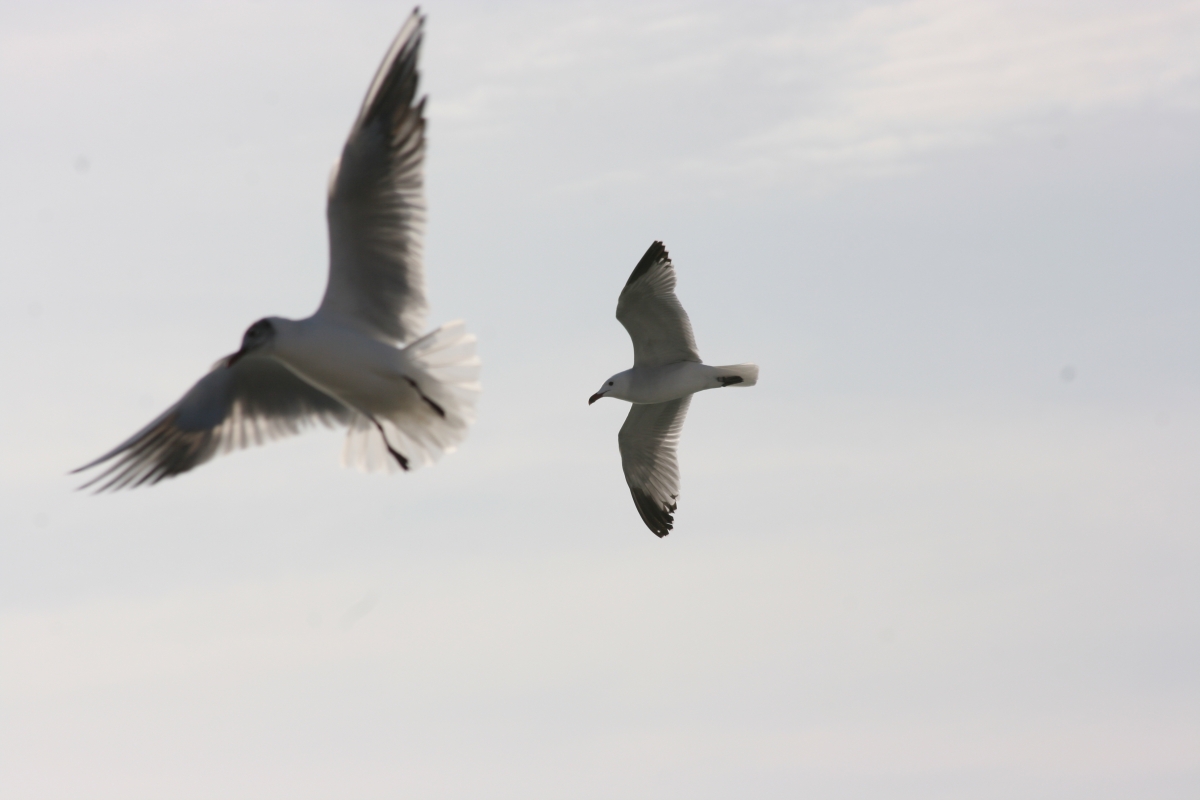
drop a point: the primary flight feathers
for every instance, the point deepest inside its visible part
(650, 311)
(376, 208)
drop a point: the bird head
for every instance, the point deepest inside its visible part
(258, 336)
(616, 386)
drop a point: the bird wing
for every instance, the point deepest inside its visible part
(251, 402)
(648, 440)
(376, 207)
(650, 311)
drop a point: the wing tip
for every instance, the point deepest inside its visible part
(404, 50)
(658, 518)
(657, 252)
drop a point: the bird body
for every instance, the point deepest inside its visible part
(666, 372)
(360, 360)
(369, 376)
(648, 385)
(360, 371)
(404, 392)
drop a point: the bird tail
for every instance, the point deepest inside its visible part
(444, 370)
(737, 374)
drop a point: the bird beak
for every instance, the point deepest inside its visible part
(595, 397)
(233, 359)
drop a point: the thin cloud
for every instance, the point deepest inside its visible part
(777, 94)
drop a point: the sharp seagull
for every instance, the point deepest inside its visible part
(666, 373)
(359, 360)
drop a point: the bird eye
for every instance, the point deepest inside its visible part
(610, 383)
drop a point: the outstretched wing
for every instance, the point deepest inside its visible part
(648, 440)
(650, 311)
(376, 206)
(255, 400)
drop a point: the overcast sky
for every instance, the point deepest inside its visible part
(949, 547)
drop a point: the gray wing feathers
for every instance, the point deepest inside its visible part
(376, 208)
(648, 441)
(252, 402)
(650, 311)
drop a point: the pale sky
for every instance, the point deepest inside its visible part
(949, 547)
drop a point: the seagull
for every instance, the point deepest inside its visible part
(357, 362)
(666, 373)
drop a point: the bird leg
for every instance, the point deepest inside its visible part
(401, 460)
(440, 411)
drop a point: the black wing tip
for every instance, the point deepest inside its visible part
(414, 16)
(159, 452)
(398, 74)
(407, 43)
(655, 254)
(657, 518)
(417, 20)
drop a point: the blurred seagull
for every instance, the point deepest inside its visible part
(666, 373)
(357, 361)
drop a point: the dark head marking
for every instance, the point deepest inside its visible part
(257, 334)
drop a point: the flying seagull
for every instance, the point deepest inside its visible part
(359, 361)
(666, 373)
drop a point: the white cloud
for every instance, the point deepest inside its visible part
(770, 92)
(932, 74)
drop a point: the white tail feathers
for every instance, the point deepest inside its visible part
(445, 369)
(747, 372)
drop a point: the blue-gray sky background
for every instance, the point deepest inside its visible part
(947, 548)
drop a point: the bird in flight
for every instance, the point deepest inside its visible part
(360, 360)
(666, 373)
